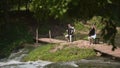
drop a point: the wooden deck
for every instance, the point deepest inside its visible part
(102, 48)
(50, 40)
(107, 49)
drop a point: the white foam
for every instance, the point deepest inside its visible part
(29, 63)
(10, 63)
(39, 63)
(71, 64)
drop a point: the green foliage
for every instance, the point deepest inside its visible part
(49, 8)
(65, 54)
(38, 53)
(12, 5)
(13, 35)
(79, 25)
(97, 20)
(109, 32)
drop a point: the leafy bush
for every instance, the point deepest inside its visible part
(78, 25)
(98, 21)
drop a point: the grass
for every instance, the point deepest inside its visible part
(64, 54)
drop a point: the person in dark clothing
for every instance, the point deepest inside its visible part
(92, 34)
(70, 32)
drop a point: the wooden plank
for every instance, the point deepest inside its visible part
(107, 50)
(50, 40)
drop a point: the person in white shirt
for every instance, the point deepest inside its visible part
(70, 32)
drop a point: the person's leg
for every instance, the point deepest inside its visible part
(89, 39)
(67, 37)
(93, 37)
(70, 38)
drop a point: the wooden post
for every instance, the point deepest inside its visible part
(37, 35)
(50, 34)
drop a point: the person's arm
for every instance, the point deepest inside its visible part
(67, 30)
(73, 29)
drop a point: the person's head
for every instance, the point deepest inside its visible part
(93, 25)
(69, 25)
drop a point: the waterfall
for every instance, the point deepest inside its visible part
(14, 61)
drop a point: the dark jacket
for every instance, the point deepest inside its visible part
(70, 31)
(92, 32)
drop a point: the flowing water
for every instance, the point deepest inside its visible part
(14, 61)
